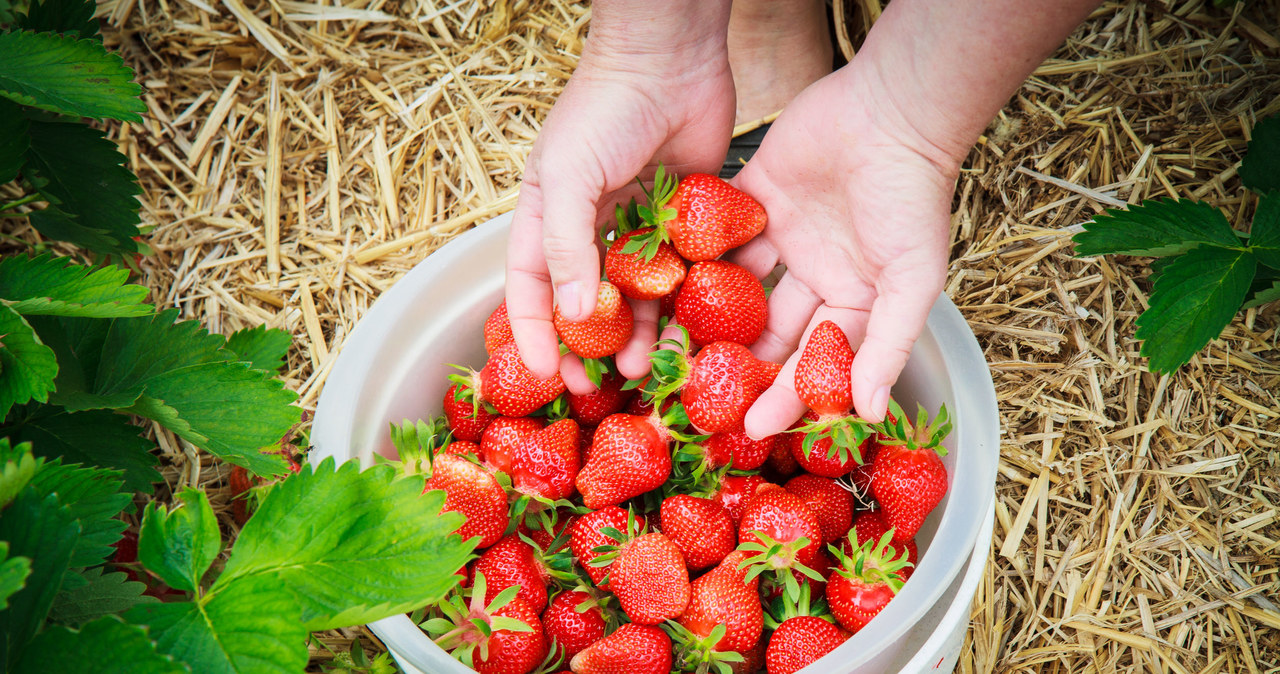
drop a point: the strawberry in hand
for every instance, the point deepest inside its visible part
(831, 440)
(721, 301)
(602, 333)
(701, 215)
(717, 385)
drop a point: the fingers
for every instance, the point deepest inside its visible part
(528, 287)
(569, 242)
(791, 305)
(633, 359)
(756, 256)
(574, 374)
(897, 318)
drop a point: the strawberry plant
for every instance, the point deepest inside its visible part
(82, 355)
(1205, 271)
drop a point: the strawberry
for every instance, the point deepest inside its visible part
(569, 629)
(506, 383)
(497, 329)
(239, 483)
(462, 448)
(799, 642)
(823, 454)
(586, 534)
(602, 333)
(511, 640)
(737, 450)
(629, 456)
(864, 582)
(466, 419)
(736, 491)
(512, 562)
(546, 462)
(780, 462)
(702, 215)
(502, 439)
(592, 408)
(909, 479)
(474, 492)
(752, 660)
(641, 271)
(717, 385)
(831, 502)
(633, 649)
(649, 578)
(721, 597)
(823, 372)
(700, 527)
(721, 301)
(869, 525)
(781, 532)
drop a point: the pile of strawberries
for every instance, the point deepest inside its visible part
(638, 529)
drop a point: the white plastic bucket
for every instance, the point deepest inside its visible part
(394, 367)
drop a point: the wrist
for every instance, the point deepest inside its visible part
(665, 38)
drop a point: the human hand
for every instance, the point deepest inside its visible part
(643, 93)
(859, 212)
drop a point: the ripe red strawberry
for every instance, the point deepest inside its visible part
(511, 562)
(643, 272)
(650, 579)
(776, 516)
(737, 450)
(736, 491)
(752, 660)
(863, 583)
(568, 628)
(602, 333)
(239, 484)
(869, 525)
(799, 642)
(824, 370)
(717, 385)
(497, 329)
(705, 216)
(496, 648)
(474, 492)
(629, 456)
(832, 503)
(723, 596)
(909, 478)
(502, 439)
(585, 535)
(462, 448)
(700, 527)
(466, 419)
(592, 408)
(780, 463)
(546, 462)
(633, 649)
(720, 301)
(506, 383)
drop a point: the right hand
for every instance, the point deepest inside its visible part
(629, 105)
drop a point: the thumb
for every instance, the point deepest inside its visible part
(569, 240)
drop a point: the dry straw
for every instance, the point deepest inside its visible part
(299, 157)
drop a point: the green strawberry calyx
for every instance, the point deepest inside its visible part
(692, 653)
(465, 626)
(875, 561)
(896, 429)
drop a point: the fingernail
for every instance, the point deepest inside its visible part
(880, 401)
(569, 299)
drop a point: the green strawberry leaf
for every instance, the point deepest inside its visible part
(247, 627)
(27, 366)
(18, 467)
(13, 140)
(104, 646)
(49, 285)
(1260, 170)
(94, 438)
(1156, 227)
(94, 498)
(352, 546)
(68, 76)
(1264, 290)
(178, 545)
(181, 376)
(92, 198)
(263, 349)
(103, 594)
(1264, 239)
(1195, 297)
(45, 532)
(13, 574)
(72, 17)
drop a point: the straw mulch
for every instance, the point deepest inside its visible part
(300, 157)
